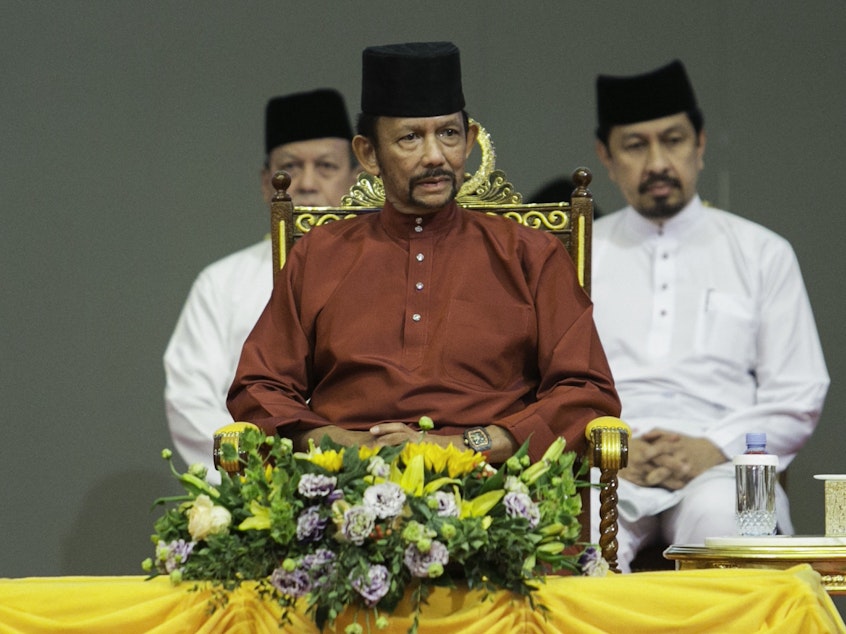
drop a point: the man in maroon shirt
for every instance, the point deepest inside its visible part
(424, 308)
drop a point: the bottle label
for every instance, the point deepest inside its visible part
(767, 459)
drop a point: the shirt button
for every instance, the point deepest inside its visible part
(418, 229)
(419, 257)
(419, 286)
(416, 317)
(663, 287)
(418, 220)
(665, 255)
(663, 313)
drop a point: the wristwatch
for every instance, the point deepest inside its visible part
(477, 438)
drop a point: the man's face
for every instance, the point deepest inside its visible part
(656, 164)
(321, 171)
(421, 160)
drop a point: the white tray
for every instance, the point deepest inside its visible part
(774, 541)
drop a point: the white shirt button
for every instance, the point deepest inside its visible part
(416, 317)
(419, 286)
(418, 229)
(420, 257)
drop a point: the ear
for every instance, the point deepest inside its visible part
(266, 186)
(472, 133)
(605, 157)
(365, 152)
(700, 150)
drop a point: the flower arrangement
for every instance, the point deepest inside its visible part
(336, 527)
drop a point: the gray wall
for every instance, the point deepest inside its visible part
(131, 141)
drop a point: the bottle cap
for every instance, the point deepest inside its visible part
(756, 439)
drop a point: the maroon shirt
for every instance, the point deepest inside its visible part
(464, 317)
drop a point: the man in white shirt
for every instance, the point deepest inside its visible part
(704, 318)
(308, 135)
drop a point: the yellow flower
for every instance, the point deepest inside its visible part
(411, 480)
(479, 506)
(456, 462)
(260, 519)
(366, 452)
(331, 460)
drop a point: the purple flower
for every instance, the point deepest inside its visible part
(375, 586)
(320, 566)
(521, 505)
(592, 563)
(315, 485)
(385, 499)
(171, 556)
(445, 504)
(358, 523)
(295, 583)
(426, 564)
(310, 525)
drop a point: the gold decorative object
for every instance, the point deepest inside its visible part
(835, 504)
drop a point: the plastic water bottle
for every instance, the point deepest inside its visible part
(755, 473)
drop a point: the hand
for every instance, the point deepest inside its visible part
(344, 437)
(668, 459)
(390, 434)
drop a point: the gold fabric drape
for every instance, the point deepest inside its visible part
(723, 601)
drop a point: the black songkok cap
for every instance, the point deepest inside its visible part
(418, 79)
(658, 93)
(304, 116)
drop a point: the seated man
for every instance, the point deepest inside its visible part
(424, 308)
(308, 134)
(703, 315)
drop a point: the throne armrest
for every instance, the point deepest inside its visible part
(608, 450)
(229, 435)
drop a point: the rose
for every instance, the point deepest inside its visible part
(206, 518)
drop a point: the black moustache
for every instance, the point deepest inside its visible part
(652, 180)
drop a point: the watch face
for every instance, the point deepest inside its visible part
(478, 439)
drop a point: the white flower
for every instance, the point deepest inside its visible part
(205, 518)
(385, 499)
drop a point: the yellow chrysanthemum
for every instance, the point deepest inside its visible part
(331, 460)
(456, 462)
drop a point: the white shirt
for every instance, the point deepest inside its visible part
(200, 361)
(708, 329)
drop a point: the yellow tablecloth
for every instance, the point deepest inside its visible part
(724, 601)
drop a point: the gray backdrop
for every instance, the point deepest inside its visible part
(131, 137)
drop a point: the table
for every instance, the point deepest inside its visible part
(826, 555)
(725, 601)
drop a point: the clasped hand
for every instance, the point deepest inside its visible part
(669, 460)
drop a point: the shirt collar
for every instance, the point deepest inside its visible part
(677, 226)
(405, 226)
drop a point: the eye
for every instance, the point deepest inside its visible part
(634, 145)
(327, 166)
(289, 166)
